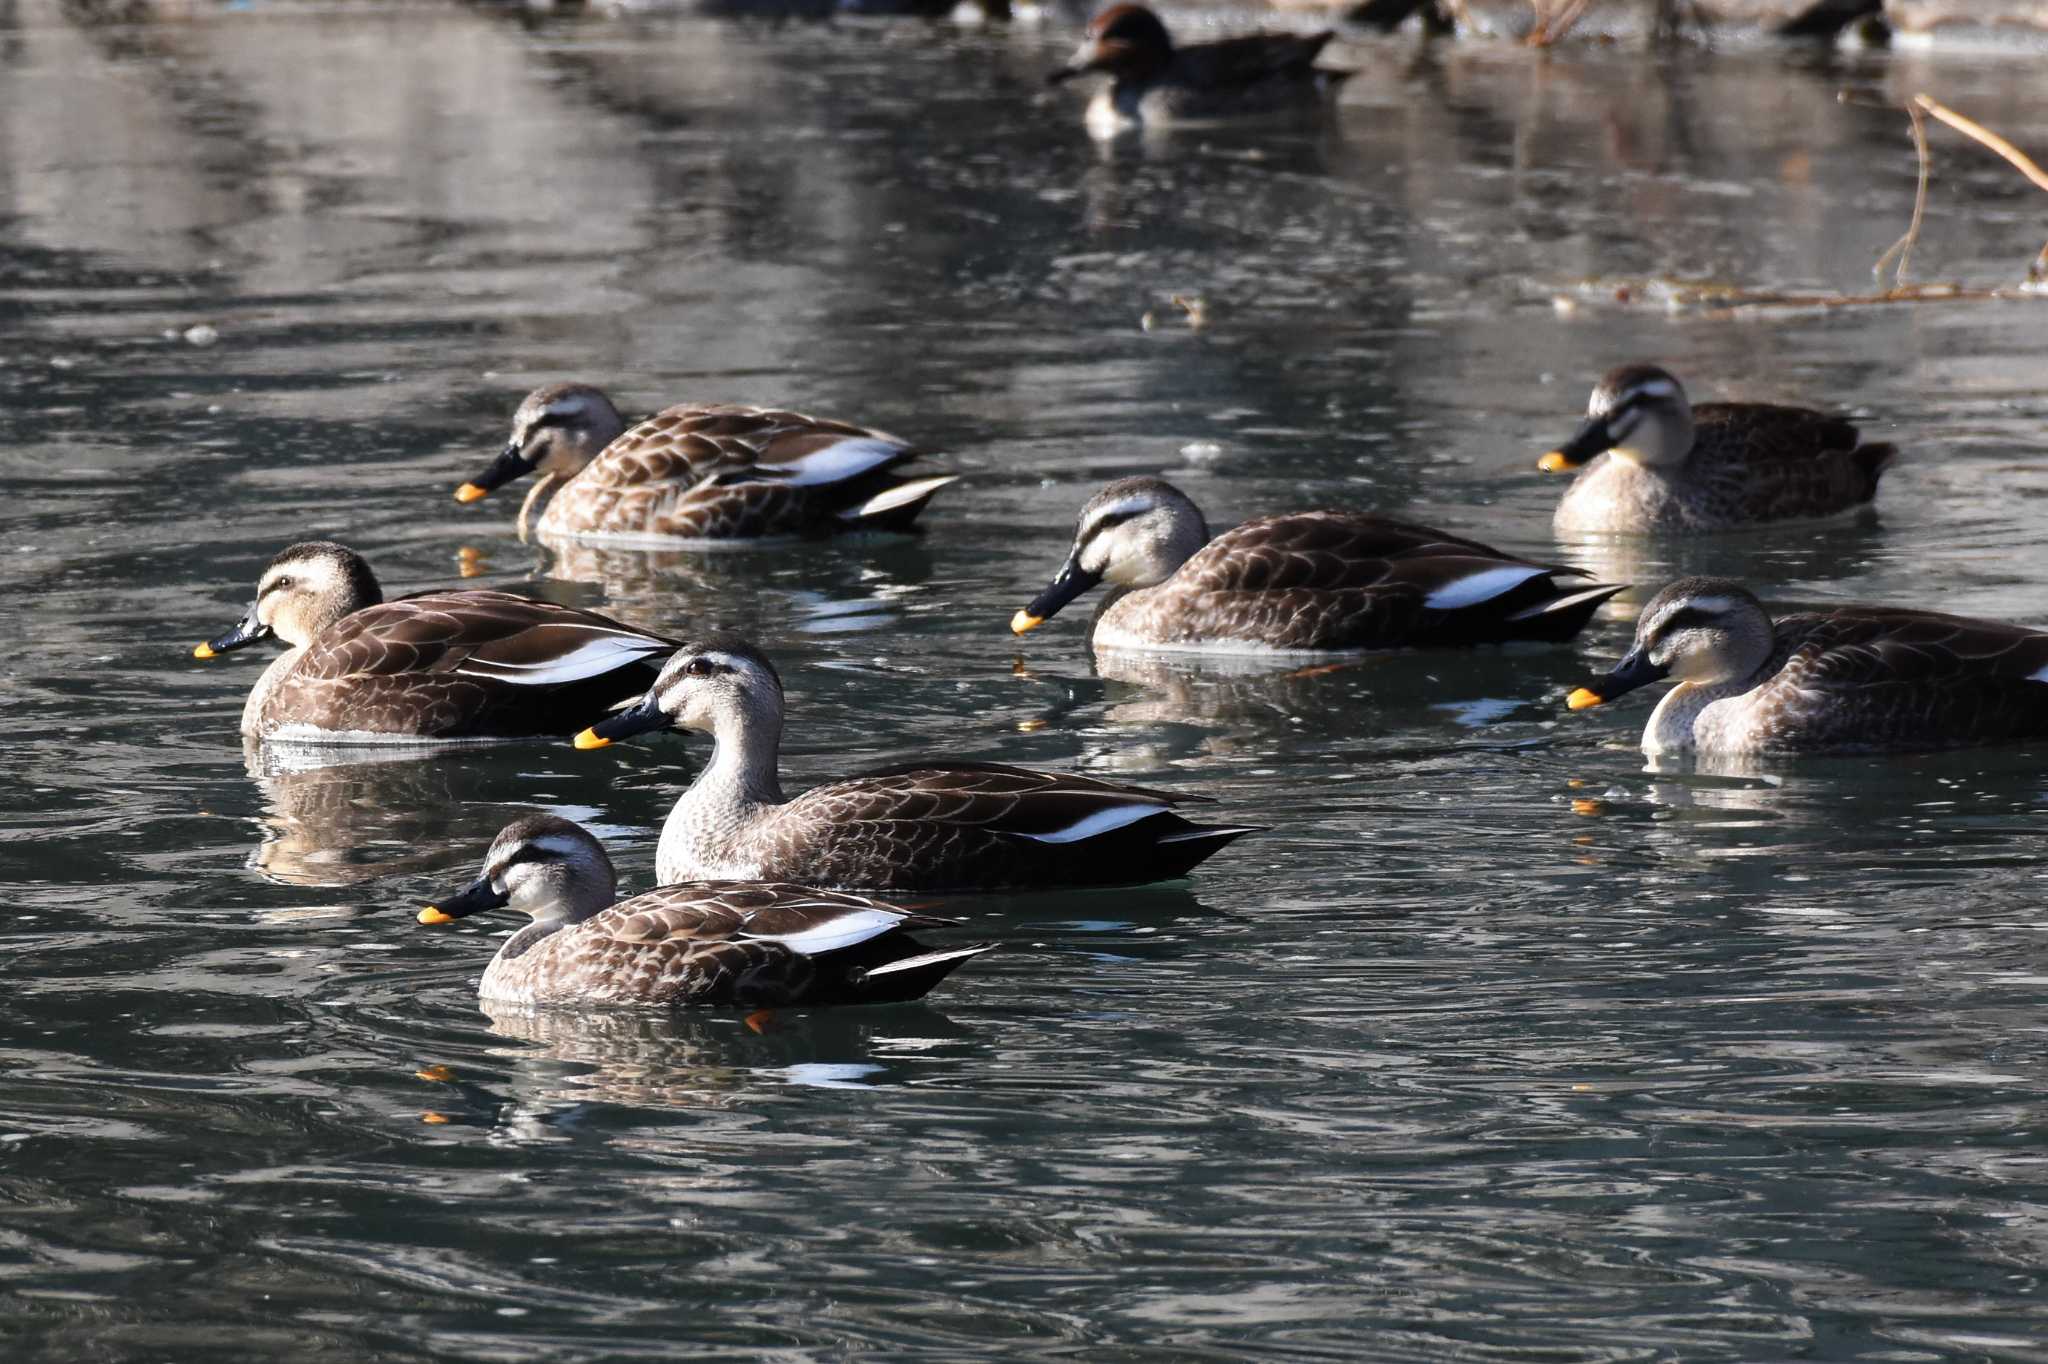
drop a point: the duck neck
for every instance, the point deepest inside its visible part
(1671, 725)
(702, 836)
(746, 754)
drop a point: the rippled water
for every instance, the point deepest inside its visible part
(1498, 1046)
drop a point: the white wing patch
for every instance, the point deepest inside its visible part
(902, 495)
(836, 934)
(837, 462)
(2038, 675)
(1100, 822)
(596, 655)
(1484, 585)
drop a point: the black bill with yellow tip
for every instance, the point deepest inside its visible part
(1071, 581)
(1589, 440)
(1634, 670)
(248, 630)
(511, 463)
(478, 896)
(639, 718)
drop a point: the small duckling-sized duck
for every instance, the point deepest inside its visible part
(1153, 82)
(1657, 463)
(927, 827)
(436, 667)
(1846, 680)
(1300, 582)
(701, 472)
(752, 944)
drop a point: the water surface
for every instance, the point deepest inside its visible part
(1498, 1046)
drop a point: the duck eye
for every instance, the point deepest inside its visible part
(699, 667)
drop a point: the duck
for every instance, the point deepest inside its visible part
(700, 472)
(1299, 582)
(924, 828)
(436, 667)
(1652, 462)
(751, 944)
(1153, 82)
(1849, 679)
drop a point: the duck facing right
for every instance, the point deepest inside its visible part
(1849, 679)
(1650, 461)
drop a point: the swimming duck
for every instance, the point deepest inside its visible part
(1845, 680)
(1154, 82)
(1303, 581)
(747, 943)
(924, 827)
(1670, 466)
(435, 667)
(697, 472)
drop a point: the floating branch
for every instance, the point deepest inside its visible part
(2037, 273)
(1730, 300)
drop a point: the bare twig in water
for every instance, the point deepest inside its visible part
(1978, 132)
(2019, 160)
(1903, 247)
(1552, 24)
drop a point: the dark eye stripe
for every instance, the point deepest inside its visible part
(1687, 618)
(525, 853)
(1109, 520)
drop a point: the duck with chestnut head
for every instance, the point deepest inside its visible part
(1155, 82)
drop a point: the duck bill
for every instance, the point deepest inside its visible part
(510, 464)
(1070, 583)
(1635, 670)
(248, 630)
(1589, 440)
(640, 718)
(474, 898)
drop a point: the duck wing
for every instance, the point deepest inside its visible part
(1245, 61)
(469, 664)
(1349, 580)
(983, 826)
(1786, 462)
(1887, 678)
(721, 471)
(751, 944)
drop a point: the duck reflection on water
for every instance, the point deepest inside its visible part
(342, 816)
(562, 1062)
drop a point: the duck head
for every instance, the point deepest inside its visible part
(540, 865)
(1125, 41)
(1134, 533)
(302, 591)
(1701, 630)
(557, 430)
(1640, 413)
(706, 686)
